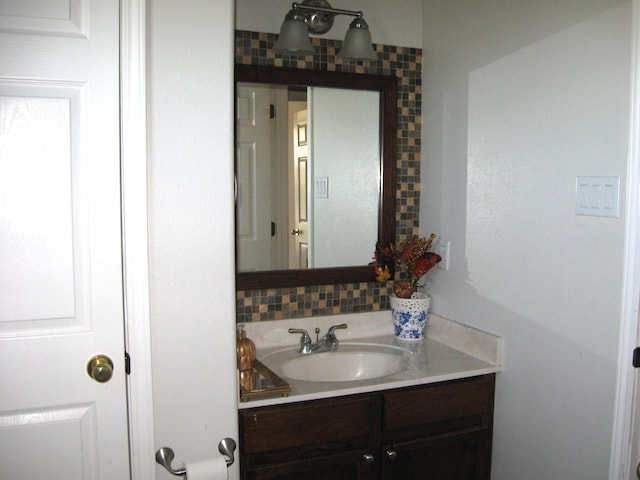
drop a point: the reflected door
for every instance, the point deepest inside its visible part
(299, 224)
(253, 169)
(61, 299)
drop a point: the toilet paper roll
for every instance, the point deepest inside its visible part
(209, 469)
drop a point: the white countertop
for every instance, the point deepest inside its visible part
(450, 351)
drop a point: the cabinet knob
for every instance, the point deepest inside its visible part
(369, 458)
(391, 455)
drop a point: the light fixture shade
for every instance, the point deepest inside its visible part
(294, 36)
(357, 42)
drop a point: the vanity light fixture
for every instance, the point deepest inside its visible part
(316, 16)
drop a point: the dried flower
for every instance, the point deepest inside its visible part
(413, 259)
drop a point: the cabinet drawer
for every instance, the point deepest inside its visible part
(344, 422)
(459, 404)
(341, 466)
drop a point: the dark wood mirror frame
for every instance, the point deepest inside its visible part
(387, 86)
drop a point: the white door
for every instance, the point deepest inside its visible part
(60, 257)
(253, 169)
(299, 222)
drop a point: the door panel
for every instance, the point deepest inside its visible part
(39, 185)
(29, 435)
(60, 236)
(48, 17)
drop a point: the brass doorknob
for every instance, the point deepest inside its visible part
(100, 368)
(296, 231)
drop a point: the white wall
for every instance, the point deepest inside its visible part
(519, 99)
(346, 150)
(391, 23)
(191, 246)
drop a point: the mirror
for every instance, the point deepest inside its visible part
(326, 183)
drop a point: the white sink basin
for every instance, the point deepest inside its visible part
(351, 362)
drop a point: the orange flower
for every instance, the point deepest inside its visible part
(382, 274)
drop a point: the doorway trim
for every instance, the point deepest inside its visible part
(621, 462)
(135, 249)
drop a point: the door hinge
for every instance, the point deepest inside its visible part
(636, 357)
(127, 363)
(272, 111)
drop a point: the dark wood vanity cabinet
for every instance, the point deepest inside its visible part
(438, 431)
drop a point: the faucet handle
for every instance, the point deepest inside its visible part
(330, 338)
(305, 335)
(332, 329)
(305, 340)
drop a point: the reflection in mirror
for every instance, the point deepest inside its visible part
(315, 166)
(320, 177)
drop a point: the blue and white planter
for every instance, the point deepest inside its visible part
(410, 316)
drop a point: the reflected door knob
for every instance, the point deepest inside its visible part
(100, 368)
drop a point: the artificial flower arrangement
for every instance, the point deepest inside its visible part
(413, 259)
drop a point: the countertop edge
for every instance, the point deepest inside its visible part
(269, 401)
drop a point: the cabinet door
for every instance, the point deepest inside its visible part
(460, 457)
(348, 466)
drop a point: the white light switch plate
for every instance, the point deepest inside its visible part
(322, 187)
(444, 248)
(598, 196)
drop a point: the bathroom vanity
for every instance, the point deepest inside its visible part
(432, 419)
(440, 430)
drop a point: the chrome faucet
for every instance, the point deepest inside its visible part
(328, 343)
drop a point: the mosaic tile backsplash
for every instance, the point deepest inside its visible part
(255, 48)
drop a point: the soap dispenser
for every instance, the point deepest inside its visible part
(245, 349)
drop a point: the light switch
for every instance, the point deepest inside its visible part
(598, 196)
(322, 187)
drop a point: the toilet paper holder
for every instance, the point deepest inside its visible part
(165, 455)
